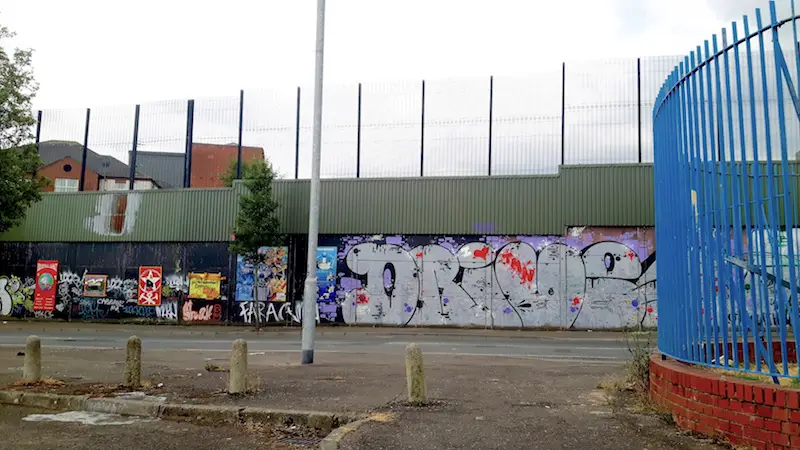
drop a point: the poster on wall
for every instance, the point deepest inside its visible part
(326, 274)
(44, 293)
(95, 285)
(272, 276)
(204, 286)
(150, 278)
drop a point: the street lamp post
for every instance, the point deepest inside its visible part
(310, 290)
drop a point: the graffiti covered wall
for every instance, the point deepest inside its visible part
(100, 281)
(590, 278)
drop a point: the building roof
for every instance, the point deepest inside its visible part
(104, 165)
(166, 169)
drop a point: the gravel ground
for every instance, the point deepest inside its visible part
(161, 434)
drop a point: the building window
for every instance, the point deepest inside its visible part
(66, 185)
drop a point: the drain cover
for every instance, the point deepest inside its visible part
(302, 442)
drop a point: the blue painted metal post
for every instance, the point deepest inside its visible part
(239, 144)
(132, 169)
(491, 119)
(422, 135)
(82, 182)
(563, 111)
(297, 137)
(187, 157)
(358, 135)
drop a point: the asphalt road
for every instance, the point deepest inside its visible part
(552, 347)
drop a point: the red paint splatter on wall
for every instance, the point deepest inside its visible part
(482, 253)
(519, 268)
(419, 255)
(361, 298)
(576, 301)
(650, 310)
(631, 255)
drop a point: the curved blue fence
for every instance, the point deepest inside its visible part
(727, 138)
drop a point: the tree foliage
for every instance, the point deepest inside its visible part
(257, 223)
(247, 172)
(19, 160)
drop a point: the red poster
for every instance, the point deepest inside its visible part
(44, 293)
(150, 286)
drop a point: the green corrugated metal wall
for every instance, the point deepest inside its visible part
(602, 195)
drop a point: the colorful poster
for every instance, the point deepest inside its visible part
(44, 293)
(95, 285)
(150, 279)
(273, 269)
(204, 286)
(245, 280)
(326, 274)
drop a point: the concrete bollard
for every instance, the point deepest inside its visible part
(133, 362)
(237, 384)
(32, 370)
(415, 375)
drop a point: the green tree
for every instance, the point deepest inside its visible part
(19, 185)
(247, 171)
(257, 223)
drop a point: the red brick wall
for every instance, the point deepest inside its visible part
(56, 170)
(740, 411)
(210, 161)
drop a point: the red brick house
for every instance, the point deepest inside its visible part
(154, 170)
(103, 173)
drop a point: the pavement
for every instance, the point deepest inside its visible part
(131, 433)
(486, 390)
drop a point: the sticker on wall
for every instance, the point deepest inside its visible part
(326, 274)
(272, 276)
(95, 285)
(150, 279)
(205, 286)
(44, 293)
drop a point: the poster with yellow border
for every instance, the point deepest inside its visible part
(205, 286)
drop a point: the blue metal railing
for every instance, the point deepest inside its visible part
(726, 187)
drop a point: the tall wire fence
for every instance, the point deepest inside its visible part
(593, 112)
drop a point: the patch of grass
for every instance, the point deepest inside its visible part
(613, 383)
(640, 346)
(786, 381)
(211, 367)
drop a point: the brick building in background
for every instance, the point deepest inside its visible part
(62, 165)
(154, 170)
(209, 164)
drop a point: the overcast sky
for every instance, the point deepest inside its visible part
(91, 52)
(95, 52)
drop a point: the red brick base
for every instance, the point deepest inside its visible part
(742, 412)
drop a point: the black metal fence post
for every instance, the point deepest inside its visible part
(187, 157)
(422, 135)
(38, 128)
(38, 134)
(639, 102)
(239, 148)
(82, 182)
(132, 176)
(358, 135)
(297, 139)
(491, 119)
(563, 110)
